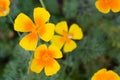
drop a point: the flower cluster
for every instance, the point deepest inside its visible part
(103, 74)
(43, 29)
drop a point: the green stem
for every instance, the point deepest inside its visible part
(30, 63)
(42, 3)
(10, 19)
(13, 24)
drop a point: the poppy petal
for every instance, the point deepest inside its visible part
(55, 51)
(76, 32)
(23, 23)
(52, 68)
(99, 75)
(69, 46)
(39, 51)
(29, 42)
(102, 6)
(36, 66)
(4, 3)
(4, 7)
(41, 16)
(113, 75)
(103, 74)
(115, 5)
(57, 41)
(61, 26)
(49, 32)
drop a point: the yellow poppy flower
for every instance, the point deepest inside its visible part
(105, 6)
(103, 74)
(40, 28)
(65, 37)
(44, 58)
(4, 7)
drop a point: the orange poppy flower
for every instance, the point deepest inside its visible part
(4, 7)
(103, 74)
(40, 28)
(65, 37)
(105, 6)
(44, 58)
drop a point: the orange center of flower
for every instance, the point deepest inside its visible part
(46, 58)
(3, 8)
(40, 30)
(67, 36)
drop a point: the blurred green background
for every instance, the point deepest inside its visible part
(100, 47)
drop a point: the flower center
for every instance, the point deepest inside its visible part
(67, 36)
(3, 10)
(40, 30)
(45, 57)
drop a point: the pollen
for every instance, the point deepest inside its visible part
(5, 12)
(70, 36)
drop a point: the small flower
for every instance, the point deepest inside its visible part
(4, 7)
(103, 74)
(44, 58)
(105, 6)
(40, 28)
(65, 37)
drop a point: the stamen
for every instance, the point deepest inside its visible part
(69, 36)
(5, 12)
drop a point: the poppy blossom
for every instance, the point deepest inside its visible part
(45, 58)
(4, 7)
(65, 37)
(41, 28)
(103, 74)
(105, 6)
